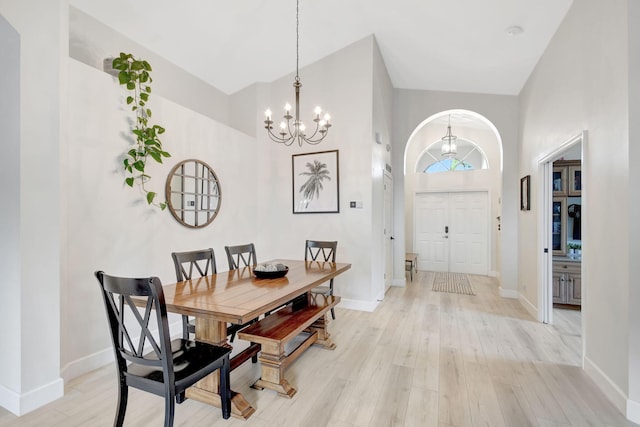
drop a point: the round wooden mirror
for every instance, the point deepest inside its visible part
(193, 193)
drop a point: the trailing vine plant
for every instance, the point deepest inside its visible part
(134, 74)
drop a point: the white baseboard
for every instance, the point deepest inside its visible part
(532, 309)
(101, 358)
(509, 293)
(611, 390)
(494, 274)
(20, 404)
(87, 364)
(633, 411)
(10, 400)
(353, 304)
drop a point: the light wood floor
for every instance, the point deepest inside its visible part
(422, 359)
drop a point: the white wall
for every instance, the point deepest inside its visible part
(42, 45)
(342, 85)
(412, 107)
(128, 238)
(633, 408)
(382, 125)
(581, 83)
(10, 222)
(91, 42)
(109, 225)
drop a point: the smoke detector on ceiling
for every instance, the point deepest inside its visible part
(514, 30)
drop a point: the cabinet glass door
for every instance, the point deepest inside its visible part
(559, 181)
(575, 180)
(558, 225)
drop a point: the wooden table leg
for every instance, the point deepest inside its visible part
(206, 390)
(274, 361)
(324, 337)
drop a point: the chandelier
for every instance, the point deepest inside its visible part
(291, 127)
(449, 148)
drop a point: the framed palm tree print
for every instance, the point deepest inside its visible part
(316, 182)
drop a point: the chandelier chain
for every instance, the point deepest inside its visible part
(297, 40)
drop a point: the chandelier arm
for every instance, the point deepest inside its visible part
(275, 138)
(313, 134)
(313, 141)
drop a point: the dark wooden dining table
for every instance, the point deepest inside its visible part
(237, 297)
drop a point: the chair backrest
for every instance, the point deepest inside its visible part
(241, 256)
(315, 248)
(203, 260)
(117, 293)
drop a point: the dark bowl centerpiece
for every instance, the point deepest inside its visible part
(270, 271)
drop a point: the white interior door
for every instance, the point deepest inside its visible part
(451, 232)
(388, 231)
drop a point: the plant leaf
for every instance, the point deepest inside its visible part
(124, 78)
(139, 165)
(150, 196)
(155, 156)
(129, 181)
(137, 65)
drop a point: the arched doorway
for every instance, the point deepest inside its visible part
(452, 200)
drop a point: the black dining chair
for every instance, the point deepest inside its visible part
(168, 367)
(241, 256)
(316, 250)
(204, 263)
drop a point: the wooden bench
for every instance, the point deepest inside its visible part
(278, 329)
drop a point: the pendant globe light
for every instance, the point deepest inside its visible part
(449, 148)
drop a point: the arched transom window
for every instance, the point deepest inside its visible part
(468, 157)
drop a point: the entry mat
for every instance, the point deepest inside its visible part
(454, 283)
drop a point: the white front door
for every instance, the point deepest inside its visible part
(451, 232)
(431, 238)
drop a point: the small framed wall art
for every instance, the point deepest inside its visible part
(525, 193)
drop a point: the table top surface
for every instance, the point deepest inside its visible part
(237, 296)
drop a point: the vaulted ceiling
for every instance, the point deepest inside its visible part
(448, 45)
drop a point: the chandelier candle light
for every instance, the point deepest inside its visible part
(449, 148)
(295, 130)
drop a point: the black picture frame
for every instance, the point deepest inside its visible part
(316, 182)
(525, 193)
